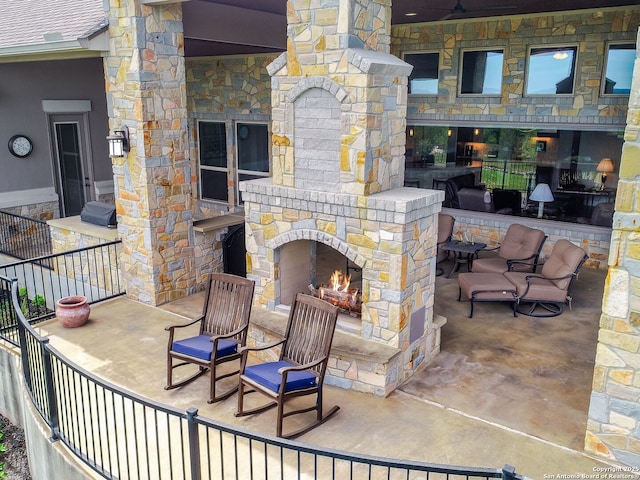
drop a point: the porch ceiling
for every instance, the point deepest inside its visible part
(233, 27)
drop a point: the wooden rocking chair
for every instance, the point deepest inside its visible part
(304, 355)
(223, 328)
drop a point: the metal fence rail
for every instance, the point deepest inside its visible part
(509, 174)
(23, 237)
(124, 436)
(93, 272)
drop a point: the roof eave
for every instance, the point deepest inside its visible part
(47, 51)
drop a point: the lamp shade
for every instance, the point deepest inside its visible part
(605, 166)
(542, 193)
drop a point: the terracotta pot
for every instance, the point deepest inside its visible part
(72, 311)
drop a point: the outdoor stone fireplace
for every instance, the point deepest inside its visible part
(338, 136)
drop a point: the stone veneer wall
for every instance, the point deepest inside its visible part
(491, 229)
(225, 89)
(38, 211)
(590, 31)
(613, 428)
(146, 91)
(391, 235)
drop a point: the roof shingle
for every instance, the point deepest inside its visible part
(25, 22)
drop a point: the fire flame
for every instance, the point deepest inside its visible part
(339, 282)
(338, 293)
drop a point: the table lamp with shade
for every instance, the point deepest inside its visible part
(605, 166)
(542, 193)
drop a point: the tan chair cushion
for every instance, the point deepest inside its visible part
(540, 289)
(564, 259)
(489, 265)
(445, 229)
(487, 286)
(519, 242)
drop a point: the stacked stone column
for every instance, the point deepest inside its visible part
(613, 428)
(146, 91)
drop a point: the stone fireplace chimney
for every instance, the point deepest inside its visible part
(339, 102)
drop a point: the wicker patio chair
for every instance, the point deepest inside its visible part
(223, 328)
(302, 364)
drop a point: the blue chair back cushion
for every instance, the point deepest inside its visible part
(201, 347)
(266, 374)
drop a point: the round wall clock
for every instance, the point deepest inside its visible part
(20, 146)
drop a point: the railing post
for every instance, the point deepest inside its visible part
(51, 390)
(194, 443)
(22, 336)
(508, 472)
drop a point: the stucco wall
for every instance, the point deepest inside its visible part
(24, 86)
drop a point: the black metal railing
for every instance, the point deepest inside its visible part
(509, 174)
(23, 237)
(121, 435)
(93, 272)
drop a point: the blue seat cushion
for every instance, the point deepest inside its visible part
(201, 347)
(266, 374)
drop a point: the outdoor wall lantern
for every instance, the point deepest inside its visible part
(542, 193)
(119, 143)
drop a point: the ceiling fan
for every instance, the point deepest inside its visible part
(459, 10)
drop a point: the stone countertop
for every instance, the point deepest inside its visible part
(216, 223)
(74, 224)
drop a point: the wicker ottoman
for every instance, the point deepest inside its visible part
(486, 287)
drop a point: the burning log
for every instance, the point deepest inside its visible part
(339, 294)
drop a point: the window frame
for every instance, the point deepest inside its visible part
(461, 71)
(212, 168)
(550, 48)
(437, 79)
(238, 172)
(606, 64)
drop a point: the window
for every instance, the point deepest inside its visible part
(481, 72)
(252, 140)
(512, 161)
(213, 161)
(619, 69)
(253, 151)
(551, 71)
(424, 76)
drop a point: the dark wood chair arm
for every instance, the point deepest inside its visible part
(233, 333)
(306, 366)
(169, 328)
(267, 346)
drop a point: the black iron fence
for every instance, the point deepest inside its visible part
(509, 174)
(93, 272)
(121, 435)
(23, 237)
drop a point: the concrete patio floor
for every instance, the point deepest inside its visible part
(504, 390)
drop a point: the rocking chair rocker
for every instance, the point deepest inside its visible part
(304, 355)
(223, 328)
